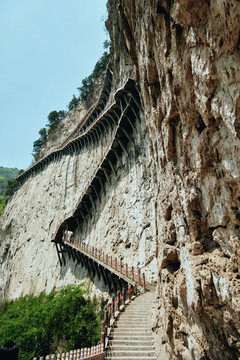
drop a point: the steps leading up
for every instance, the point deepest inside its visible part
(131, 336)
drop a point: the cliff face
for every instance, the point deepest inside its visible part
(186, 56)
(172, 207)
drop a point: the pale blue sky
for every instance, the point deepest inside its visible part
(46, 48)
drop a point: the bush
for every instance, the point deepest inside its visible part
(73, 103)
(54, 117)
(87, 84)
(42, 325)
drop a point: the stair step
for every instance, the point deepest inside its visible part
(130, 342)
(131, 332)
(132, 358)
(133, 337)
(135, 354)
(127, 348)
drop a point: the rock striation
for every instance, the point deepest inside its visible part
(186, 59)
(172, 208)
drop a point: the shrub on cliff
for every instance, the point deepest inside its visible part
(60, 321)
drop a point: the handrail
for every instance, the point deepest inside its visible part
(130, 274)
(92, 353)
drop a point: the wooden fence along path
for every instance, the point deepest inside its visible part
(93, 353)
(129, 274)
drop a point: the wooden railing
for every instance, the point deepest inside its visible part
(92, 353)
(130, 274)
(115, 306)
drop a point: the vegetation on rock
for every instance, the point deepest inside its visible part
(7, 185)
(60, 321)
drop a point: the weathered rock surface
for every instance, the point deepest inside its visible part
(186, 55)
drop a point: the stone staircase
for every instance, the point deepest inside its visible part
(131, 336)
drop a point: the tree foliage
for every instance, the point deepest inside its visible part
(7, 185)
(53, 118)
(73, 103)
(86, 89)
(59, 321)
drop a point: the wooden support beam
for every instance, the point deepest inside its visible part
(116, 154)
(62, 248)
(114, 282)
(136, 115)
(136, 102)
(83, 217)
(96, 192)
(111, 165)
(103, 275)
(101, 183)
(84, 203)
(72, 252)
(58, 253)
(131, 123)
(91, 199)
(122, 146)
(93, 272)
(97, 270)
(106, 174)
(79, 257)
(127, 135)
(102, 123)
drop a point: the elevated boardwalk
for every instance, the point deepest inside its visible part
(101, 264)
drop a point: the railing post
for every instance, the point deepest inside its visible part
(144, 282)
(129, 291)
(126, 270)
(115, 263)
(111, 261)
(118, 300)
(132, 273)
(121, 266)
(139, 275)
(124, 295)
(113, 308)
(103, 333)
(106, 259)
(106, 318)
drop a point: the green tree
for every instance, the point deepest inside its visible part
(73, 103)
(37, 145)
(43, 134)
(64, 319)
(55, 116)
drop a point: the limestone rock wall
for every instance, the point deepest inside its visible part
(186, 56)
(28, 259)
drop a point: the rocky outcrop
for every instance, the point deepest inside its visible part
(186, 58)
